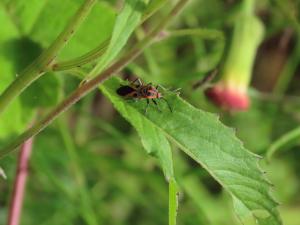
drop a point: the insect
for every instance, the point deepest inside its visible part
(136, 90)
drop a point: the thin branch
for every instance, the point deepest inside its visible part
(82, 60)
(92, 84)
(20, 183)
(199, 32)
(289, 137)
(88, 213)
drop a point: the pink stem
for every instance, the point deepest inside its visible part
(20, 183)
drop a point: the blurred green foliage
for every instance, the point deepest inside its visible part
(89, 167)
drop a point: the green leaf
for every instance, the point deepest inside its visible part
(45, 92)
(16, 53)
(153, 140)
(12, 120)
(156, 145)
(214, 146)
(128, 19)
(26, 13)
(32, 17)
(98, 25)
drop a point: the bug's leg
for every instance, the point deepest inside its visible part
(132, 82)
(137, 83)
(130, 100)
(148, 85)
(148, 102)
(206, 80)
(156, 105)
(161, 87)
(167, 103)
(140, 83)
(175, 91)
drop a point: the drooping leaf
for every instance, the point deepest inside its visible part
(156, 145)
(214, 146)
(153, 140)
(126, 22)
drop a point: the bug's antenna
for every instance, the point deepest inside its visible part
(167, 103)
(162, 87)
(176, 91)
(206, 80)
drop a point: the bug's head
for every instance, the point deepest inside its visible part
(153, 92)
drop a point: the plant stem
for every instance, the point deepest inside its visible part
(173, 201)
(200, 32)
(20, 183)
(98, 51)
(89, 214)
(84, 59)
(90, 85)
(285, 139)
(44, 61)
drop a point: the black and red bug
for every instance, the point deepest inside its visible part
(137, 90)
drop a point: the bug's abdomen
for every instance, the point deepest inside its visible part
(125, 90)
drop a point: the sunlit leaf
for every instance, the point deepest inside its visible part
(156, 145)
(214, 146)
(153, 140)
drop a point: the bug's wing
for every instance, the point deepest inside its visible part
(125, 90)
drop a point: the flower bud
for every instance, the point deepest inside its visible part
(230, 92)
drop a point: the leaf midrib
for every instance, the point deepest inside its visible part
(185, 149)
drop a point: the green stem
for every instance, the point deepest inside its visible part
(149, 58)
(84, 59)
(290, 67)
(44, 61)
(100, 50)
(200, 32)
(173, 201)
(88, 213)
(249, 7)
(289, 70)
(285, 139)
(289, 13)
(92, 84)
